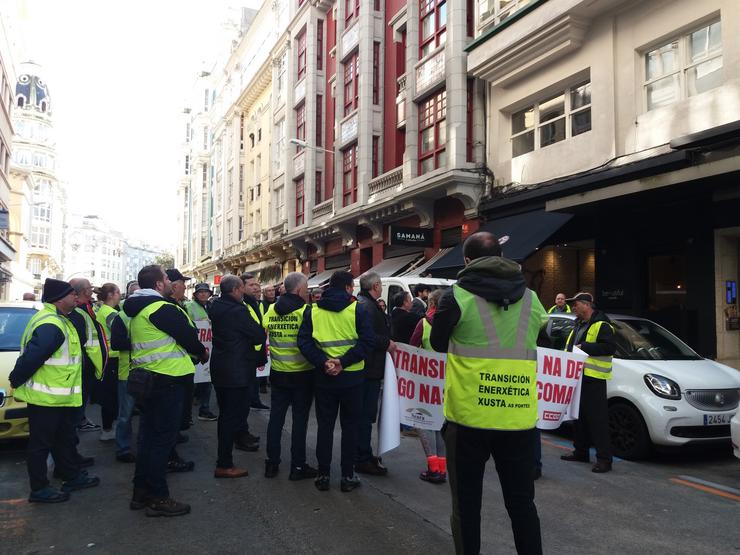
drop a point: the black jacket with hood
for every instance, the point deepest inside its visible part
(496, 279)
(375, 358)
(168, 318)
(234, 360)
(336, 300)
(286, 304)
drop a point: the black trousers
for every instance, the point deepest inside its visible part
(51, 430)
(368, 417)
(233, 407)
(592, 426)
(468, 451)
(281, 398)
(106, 393)
(347, 401)
(187, 406)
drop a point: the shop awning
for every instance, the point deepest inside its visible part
(423, 267)
(522, 234)
(391, 266)
(322, 277)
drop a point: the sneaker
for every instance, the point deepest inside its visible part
(48, 495)
(126, 458)
(107, 435)
(574, 457)
(181, 438)
(87, 426)
(180, 465)
(250, 447)
(271, 469)
(259, 406)
(349, 483)
(81, 481)
(166, 507)
(433, 477)
(139, 499)
(207, 416)
(302, 473)
(322, 482)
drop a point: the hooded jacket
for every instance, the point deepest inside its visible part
(167, 318)
(286, 304)
(235, 333)
(494, 278)
(375, 358)
(336, 300)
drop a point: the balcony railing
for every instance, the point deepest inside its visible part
(323, 208)
(387, 181)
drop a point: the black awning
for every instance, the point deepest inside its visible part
(521, 235)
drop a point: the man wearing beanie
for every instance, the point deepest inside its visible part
(48, 377)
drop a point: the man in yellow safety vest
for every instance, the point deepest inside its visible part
(48, 377)
(488, 323)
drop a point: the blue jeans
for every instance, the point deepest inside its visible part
(300, 398)
(123, 427)
(159, 423)
(370, 396)
(203, 394)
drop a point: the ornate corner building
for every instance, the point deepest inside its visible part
(327, 123)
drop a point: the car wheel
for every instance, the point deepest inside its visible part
(629, 435)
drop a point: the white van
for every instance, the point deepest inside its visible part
(394, 285)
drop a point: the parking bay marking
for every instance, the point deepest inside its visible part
(709, 487)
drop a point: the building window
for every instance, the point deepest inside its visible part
(351, 10)
(300, 202)
(317, 192)
(376, 72)
(469, 122)
(241, 228)
(259, 135)
(204, 175)
(320, 44)
(205, 100)
(555, 119)
(279, 144)
(251, 140)
(187, 132)
(686, 66)
(241, 132)
(301, 62)
(205, 138)
(300, 124)
(349, 175)
(432, 132)
(281, 68)
(319, 118)
(187, 165)
(351, 89)
(375, 161)
(433, 25)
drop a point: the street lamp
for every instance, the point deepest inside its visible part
(304, 144)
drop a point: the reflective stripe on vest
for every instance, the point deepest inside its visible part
(492, 364)
(595, 366)
(336, 332)
(153, 349)
(104, 316)
(58, 382)
(92, 345)
(283, 332)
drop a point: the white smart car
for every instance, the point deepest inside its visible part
(662, 392)
(735, 432)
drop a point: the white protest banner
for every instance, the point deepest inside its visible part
(264, 371)
(205, 336)
(421, 382)
(559, 376)
(389, 432)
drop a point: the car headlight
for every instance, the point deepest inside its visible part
(662, 386)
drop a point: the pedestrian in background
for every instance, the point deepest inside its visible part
(233, 368)
(48, 377)
(109, 296)
(594, 335)
(371, 288)
(198, 311)
(403, 321)
(163, 339)
(252, 295)
(335, 336)
(316, 293)
(560, 305)
(488, 324)
(419, 304)
(292, 379)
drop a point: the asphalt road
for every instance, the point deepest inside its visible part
(685, 501)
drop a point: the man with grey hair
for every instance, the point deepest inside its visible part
(291, 378)
(371, 288)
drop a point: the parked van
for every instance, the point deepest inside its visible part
(394, 285)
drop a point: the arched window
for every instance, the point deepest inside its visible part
(43, 106)
(21, 101)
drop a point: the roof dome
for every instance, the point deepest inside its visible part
(31, 90)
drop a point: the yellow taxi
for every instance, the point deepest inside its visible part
(14, 317)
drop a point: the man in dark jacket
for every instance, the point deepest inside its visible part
(421, 294)
(252, 295)
(371, 288)
(403, 321)
(233, 367)
(594, 335)
(291, 377)
(336, 343)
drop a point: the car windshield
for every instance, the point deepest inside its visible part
(646, 340)
(13, 321)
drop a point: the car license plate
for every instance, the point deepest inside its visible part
(717, 419)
